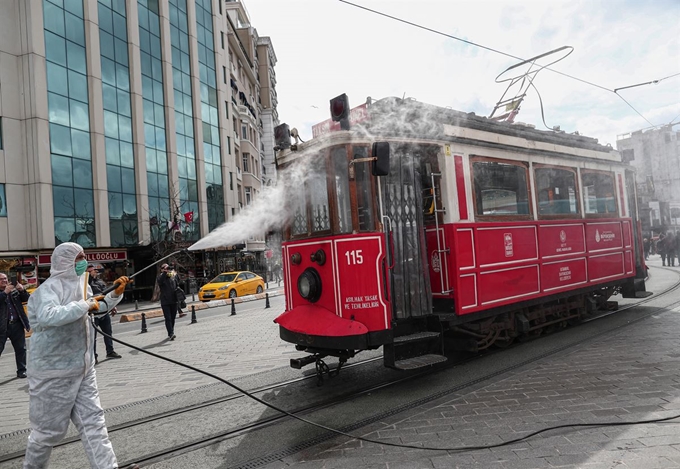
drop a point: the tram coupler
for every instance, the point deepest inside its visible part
(298, 363)
(322, 367)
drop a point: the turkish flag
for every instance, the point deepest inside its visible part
(189, 217)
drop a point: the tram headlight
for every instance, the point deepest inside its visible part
(309, 285)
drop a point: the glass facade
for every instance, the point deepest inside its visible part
(154, 117)
(210, 114)
(184, 126)
(69, 118)
(120, 162)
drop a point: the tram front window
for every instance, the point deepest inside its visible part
(318, 197)
(340, 170)
(365, 199)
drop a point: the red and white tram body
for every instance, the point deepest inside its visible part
(476, 233)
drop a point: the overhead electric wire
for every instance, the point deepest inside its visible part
(410, 23)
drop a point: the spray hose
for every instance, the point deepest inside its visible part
(368, 440)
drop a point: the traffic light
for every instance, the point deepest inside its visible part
(340, 111)
(282, 136)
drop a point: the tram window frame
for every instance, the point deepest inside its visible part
(302, 193)
(314, 169)
(344, 151)
(364, 187)
(477, 191)
(538, 190)
(599, 186)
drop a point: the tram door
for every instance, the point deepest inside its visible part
(403, 202)
(635, 289)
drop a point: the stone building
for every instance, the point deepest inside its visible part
(655, 153)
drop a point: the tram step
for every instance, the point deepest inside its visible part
(419, 362)
(415, 337)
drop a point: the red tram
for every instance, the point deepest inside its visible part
(425, 226)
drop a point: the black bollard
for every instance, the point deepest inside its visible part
(266, 304)
(193, 314)
(144, 323)
(233, 308)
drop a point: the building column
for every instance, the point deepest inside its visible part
(25, 114)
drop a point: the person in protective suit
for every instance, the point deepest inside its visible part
(62, 383)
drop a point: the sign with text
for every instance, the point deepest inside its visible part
(95, 256)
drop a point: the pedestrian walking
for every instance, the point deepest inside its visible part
(167, 283)
(277, 273)
(102, 322)
(661, 248)
(62, 383)
(13, 321)
(646, 246)
(670, 246)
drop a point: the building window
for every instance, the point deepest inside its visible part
(3, 201)
(246, 157)
(69, 123)
(244, 131)
(226, 109)
(184, 117)
(1, 133)
(248, 196)
(219, 2)
(224, 74)
(231, 181)
(222, 38)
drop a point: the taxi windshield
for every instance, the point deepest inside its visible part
(224, 278)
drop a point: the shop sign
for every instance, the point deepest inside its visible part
(96, 256)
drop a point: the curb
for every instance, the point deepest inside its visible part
(157, 312)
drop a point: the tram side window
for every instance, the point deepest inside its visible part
(318, 196)
(365, 199)
(598, 192)
(500, 188)
(556, 190)
(341, 174)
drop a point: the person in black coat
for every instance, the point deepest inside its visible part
(13, 321)
(102, 322)
(167, 282)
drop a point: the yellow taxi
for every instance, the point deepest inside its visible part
(231, 285)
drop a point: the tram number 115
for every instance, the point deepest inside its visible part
(354, 257)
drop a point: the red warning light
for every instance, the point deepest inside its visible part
(340, 110)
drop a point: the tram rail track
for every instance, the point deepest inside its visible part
(204, 441)
(260, 424)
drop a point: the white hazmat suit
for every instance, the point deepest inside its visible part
(61, 376)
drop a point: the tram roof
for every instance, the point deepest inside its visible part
(404, 119)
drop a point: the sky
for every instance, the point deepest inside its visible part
(326, 47)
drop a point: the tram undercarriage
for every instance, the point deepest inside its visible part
(528, 322)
